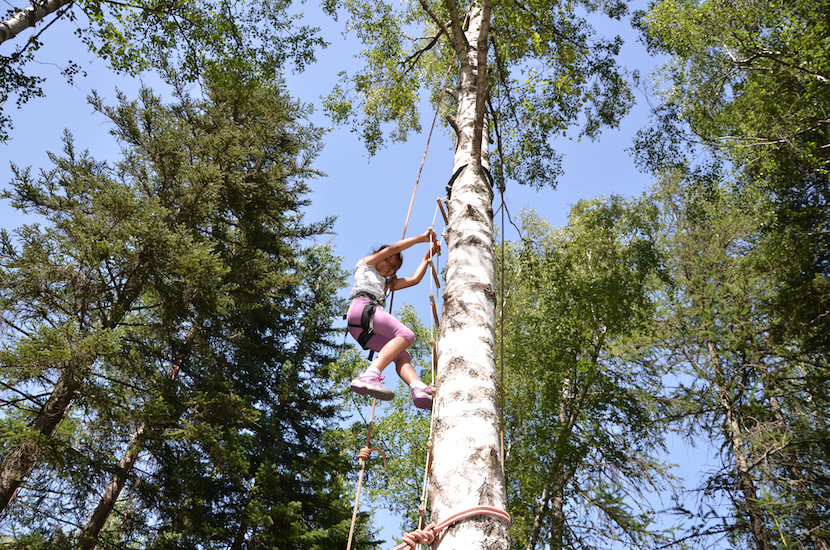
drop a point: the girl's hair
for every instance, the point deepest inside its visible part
(399, 255)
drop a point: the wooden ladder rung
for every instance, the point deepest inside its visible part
(434, 274)
(434, 310)
(443, 212)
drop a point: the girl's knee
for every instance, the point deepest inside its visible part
(407, 335)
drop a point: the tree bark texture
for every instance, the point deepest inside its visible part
(20, 460)
(29, 17)
(467, 470)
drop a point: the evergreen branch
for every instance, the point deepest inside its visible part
(25, 397)
(15, 327)
(775, 450)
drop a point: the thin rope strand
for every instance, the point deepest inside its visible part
(501, 332)
(360, 477)
(429, 137)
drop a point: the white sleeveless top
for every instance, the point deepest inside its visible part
(367, 279)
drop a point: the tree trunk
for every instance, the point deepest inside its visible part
(746, 485)
(467, 470)
(23, 457)
(29, 17)
(551, 503)
(541, 512)
(89, 537)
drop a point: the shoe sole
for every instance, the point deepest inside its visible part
(423, 403)
(384, 394)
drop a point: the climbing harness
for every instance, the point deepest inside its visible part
(367, 320)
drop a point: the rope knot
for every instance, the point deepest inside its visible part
(365, 453)
(419, 536)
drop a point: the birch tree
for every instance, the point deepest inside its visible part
(533, 68)
(750, 81)
(584, 427)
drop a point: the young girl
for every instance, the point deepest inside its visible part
(374, 275)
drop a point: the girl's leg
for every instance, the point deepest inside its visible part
(421, 393)
(391, 351)
(390, 340)
(406, 372)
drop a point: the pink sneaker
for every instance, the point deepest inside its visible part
(370, 383)
(422, 397)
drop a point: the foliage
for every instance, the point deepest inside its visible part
(732, 384)
(177, 288)
(583, 434)
(548, 73)
(177, 39)
(749, 80)
(749, 324)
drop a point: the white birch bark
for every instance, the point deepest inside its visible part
(28, 17)
(466, 470)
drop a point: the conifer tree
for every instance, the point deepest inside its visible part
(175, 292)
(733, 383)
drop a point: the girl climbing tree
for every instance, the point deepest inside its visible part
(543, 74)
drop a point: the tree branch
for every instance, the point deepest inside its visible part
(29, 17)
(482, 84)
(458, 38)
(413, 59)
(438, 23)
(452, 122)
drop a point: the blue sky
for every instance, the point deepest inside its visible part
(356, 183)
(369, 195)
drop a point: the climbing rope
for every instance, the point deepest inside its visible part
(365, 452)
(431, 531)
(426, 149)
(363, 458)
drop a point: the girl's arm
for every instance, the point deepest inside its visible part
(399, 246)
(419, 272)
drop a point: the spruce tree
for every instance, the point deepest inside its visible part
(176, 292)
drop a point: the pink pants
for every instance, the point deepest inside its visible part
(386, 327)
